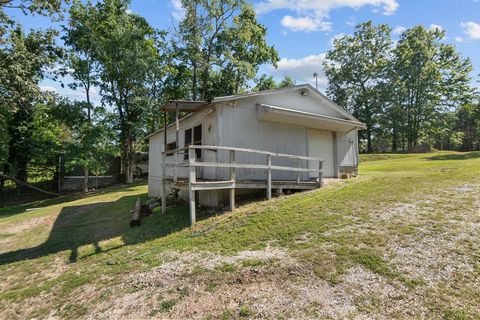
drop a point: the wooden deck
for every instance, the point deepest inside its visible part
(193, 184)
(203, 184)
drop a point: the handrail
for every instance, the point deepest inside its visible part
(273, 154)
(192, 164)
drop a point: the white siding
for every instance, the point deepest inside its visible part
(347, 148)
(241, 128)
(320, 145)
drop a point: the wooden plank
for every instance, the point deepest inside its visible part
(212, 185)
(320, 173)
(232, 178)
(273, 154)
(251, 166)
(192, 179)
(269, 177)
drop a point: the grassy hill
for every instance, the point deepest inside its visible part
(402, 240)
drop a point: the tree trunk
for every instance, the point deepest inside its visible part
(369, 141)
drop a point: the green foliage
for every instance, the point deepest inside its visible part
(223, 45)
(407, 93)
(264, 83)
(357, 72)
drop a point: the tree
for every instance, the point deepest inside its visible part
(124, 49)
(223, 45)
(287, 81)
(23, 63)
(265, 83)
(468, 123)
(356, 68)
(429, 77)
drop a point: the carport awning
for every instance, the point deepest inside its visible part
(311, 120)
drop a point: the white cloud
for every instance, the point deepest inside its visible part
(305, 24)
(351, 21)
(458, 39)
(398, 30)
(302, 69)
(178, 12)
(471, 29)
(436, 27)
(312, 15)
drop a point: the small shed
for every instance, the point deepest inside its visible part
(292, 127)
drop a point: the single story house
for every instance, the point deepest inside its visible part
(298, 121)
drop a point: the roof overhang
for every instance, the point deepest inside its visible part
(183, 106)
(312, 120)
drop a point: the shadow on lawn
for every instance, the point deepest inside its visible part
(77, 226)
(457, 156)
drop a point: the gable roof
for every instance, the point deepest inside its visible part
(308, 87)
(193, 106)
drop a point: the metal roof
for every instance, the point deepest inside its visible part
(183, 105)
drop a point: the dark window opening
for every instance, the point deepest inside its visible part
(194, 136)
(171, 146)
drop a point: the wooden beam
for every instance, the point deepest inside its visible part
(269, 177)
(273, 154)
(192, 179)
(232, 178)
(164, 159)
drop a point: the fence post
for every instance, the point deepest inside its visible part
(232, 178)
(192, 179)
(320, 173)
(269, 177)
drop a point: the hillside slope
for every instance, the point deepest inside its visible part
(401, 240)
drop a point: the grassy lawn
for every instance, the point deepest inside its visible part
(400, 241)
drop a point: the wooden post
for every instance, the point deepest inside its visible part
(232, 178)
(174, 155)
(192, 179)
(269, 177)
(164, 170)
(320, 173)
(298, 172)
(164, 183)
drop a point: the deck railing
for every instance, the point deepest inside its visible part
(192, 164)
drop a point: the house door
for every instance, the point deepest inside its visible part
(320, 145)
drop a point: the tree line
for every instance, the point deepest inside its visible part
(417, 91)
(414, 94)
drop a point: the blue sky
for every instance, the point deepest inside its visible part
(302, 30)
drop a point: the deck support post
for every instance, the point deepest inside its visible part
(320, 173)
(192, 179)
(164, 165)
(232, 178)
(269, 177)
(299, 172)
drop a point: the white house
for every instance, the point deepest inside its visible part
(298, 121)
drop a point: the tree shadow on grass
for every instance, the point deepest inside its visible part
(90, 224)
(456, 156)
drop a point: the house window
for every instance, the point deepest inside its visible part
(171, 146)
(195, 139)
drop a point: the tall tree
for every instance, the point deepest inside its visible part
(124, 48)
(287, 81)
(23, 63)
(356, 68)
(223, 45)
(265, 82)
(428, 76)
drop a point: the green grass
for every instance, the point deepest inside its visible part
(91, 241)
